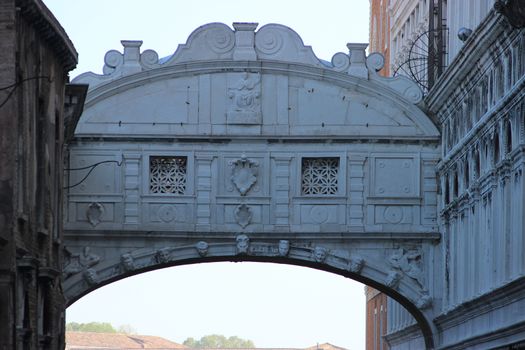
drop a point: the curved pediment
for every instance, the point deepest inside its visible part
(242, 82)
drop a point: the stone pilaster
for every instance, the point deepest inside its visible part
(281, 192)
(355, 197)
(203, 164)
(131, 188)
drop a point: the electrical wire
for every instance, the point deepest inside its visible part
(14, 86)
(91, 167)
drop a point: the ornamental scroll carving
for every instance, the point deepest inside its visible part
(244, 174)
(244, 106)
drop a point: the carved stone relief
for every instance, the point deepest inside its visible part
(356, 264)
(94, 213)
(319, 254)
(244, 174)
(244, 100)
(80, 262)
(202, 248)
(90, 276)
(392, 279)
(409, 262)
(163, 256)
(424, 302)
(127, 262)
(243, 215)
(284, 247)
(243, 244)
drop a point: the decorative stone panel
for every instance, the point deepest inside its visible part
(167, 174)
(320, 176)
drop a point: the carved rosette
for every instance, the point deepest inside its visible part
(244, 174)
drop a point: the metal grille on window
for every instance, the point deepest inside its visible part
(168, 174)
(319, 176)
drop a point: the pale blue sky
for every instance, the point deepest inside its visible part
(273, 305)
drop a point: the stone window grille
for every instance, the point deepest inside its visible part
(319, 176)
(168, 174)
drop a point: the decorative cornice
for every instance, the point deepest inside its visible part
(50, 30)
(488, 31)
(216, 44)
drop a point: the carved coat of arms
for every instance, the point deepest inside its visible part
(244, 174)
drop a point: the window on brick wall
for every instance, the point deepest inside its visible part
(168, 174)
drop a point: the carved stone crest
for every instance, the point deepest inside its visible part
(244, 174)
(244, 100)
(94, 213)
(243, 215)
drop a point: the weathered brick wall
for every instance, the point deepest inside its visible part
(35, 57)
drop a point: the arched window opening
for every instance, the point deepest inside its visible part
(467, 175)
(455, 185)
(477, 162)
(508, 138)
(500, 80)
(446, 193)
(508, 75)
(496, 149)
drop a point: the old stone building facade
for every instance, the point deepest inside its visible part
(478, 103)
(37, 110)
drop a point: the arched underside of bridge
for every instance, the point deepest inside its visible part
(333, 255)
(244, 146)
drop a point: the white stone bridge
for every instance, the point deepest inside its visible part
(244, 146)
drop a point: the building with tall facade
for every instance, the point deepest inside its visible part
(37, 112)
(473, 69)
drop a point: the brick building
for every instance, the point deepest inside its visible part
(35, 58)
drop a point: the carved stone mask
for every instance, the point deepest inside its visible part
(320, 254)
(243, 242)
(284, 247)
(90, 276)
(126, 260)
(162, 256)
(202, 248)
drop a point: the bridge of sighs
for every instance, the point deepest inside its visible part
(244, 146)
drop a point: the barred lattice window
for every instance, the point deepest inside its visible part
(320, 176)
(168, 174)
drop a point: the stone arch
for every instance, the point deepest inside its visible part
(400, 283)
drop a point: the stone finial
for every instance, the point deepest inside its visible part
(244, 41)
(357, 60)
